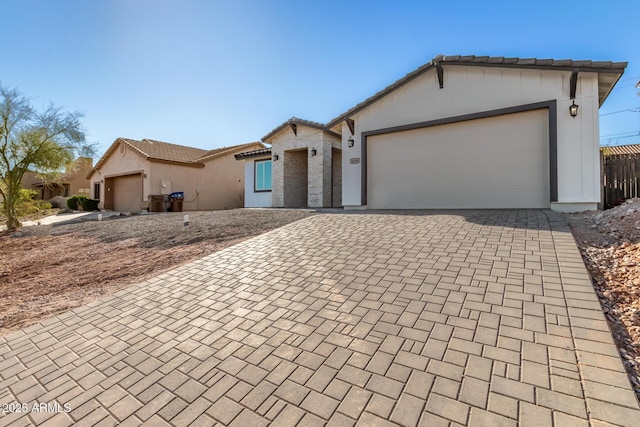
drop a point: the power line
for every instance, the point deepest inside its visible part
(620, 136)
(630, 78)
(635, 110)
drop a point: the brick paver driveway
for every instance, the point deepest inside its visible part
(482, 318)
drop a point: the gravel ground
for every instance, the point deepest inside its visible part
(49, 269)
(610, 245)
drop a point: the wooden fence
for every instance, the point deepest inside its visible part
(620, 178)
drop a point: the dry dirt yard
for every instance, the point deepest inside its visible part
(49, 269)
(610, 245)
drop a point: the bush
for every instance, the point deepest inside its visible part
(74, 202)
(89, 205)
(27, 203)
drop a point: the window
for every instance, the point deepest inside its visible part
(262, 175)
(96, 190)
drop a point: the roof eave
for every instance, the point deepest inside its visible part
(618, 70)
(263, 153)
(296, 121)
(176, 162)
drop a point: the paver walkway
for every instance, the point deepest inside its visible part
(483, 318)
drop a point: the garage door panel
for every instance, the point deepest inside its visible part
(127, 193)
(498, 162)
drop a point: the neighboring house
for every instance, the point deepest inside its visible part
(72, 182)
(131, 171)
(257, 177)
(479, 132)
(305, 167)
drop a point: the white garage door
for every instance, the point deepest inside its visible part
(127, 193)
(497, 162)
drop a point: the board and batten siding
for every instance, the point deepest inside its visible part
(473, 89)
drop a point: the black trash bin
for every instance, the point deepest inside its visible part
(175, 201)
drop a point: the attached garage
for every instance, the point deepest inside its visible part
(479, 132)
(493, 162)
(124, 193)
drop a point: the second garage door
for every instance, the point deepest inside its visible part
(496, 162)
(127, 193)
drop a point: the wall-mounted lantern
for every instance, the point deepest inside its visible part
(275, 157)
(350, 142)
(573, 110)
(313, 152)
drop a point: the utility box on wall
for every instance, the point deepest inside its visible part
(165, 187)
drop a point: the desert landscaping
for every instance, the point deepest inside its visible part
(610, 245)
(49, 269)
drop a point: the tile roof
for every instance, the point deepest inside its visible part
(296, 121)
(212, 154)
(621, 149)
(612, 69)
(159, 150)
(166, 152)
(254, 153)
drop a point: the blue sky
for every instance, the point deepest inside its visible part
(216, 73)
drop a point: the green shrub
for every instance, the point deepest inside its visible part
(74, 202)
(89, 205)
(27, 203)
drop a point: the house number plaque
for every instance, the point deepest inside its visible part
(354, 160)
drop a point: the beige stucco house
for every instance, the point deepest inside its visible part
(130, 171)
(303, 164)
(72, 182)
(479, 132)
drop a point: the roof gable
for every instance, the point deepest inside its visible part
(294, 121)
(608, 74)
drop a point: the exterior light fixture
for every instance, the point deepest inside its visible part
(350, 142)
(313, 152)
(275, 157)
(573, 110)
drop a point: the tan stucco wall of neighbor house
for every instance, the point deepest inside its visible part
(473, 89)
(221, 184)
(30, 179)
(74, 177)
(123, 161)
(77, 177)
(288, 147)
(217, 185)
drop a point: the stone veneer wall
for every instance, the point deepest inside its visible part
(286, 145)
(336, 179)
(295, 179)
